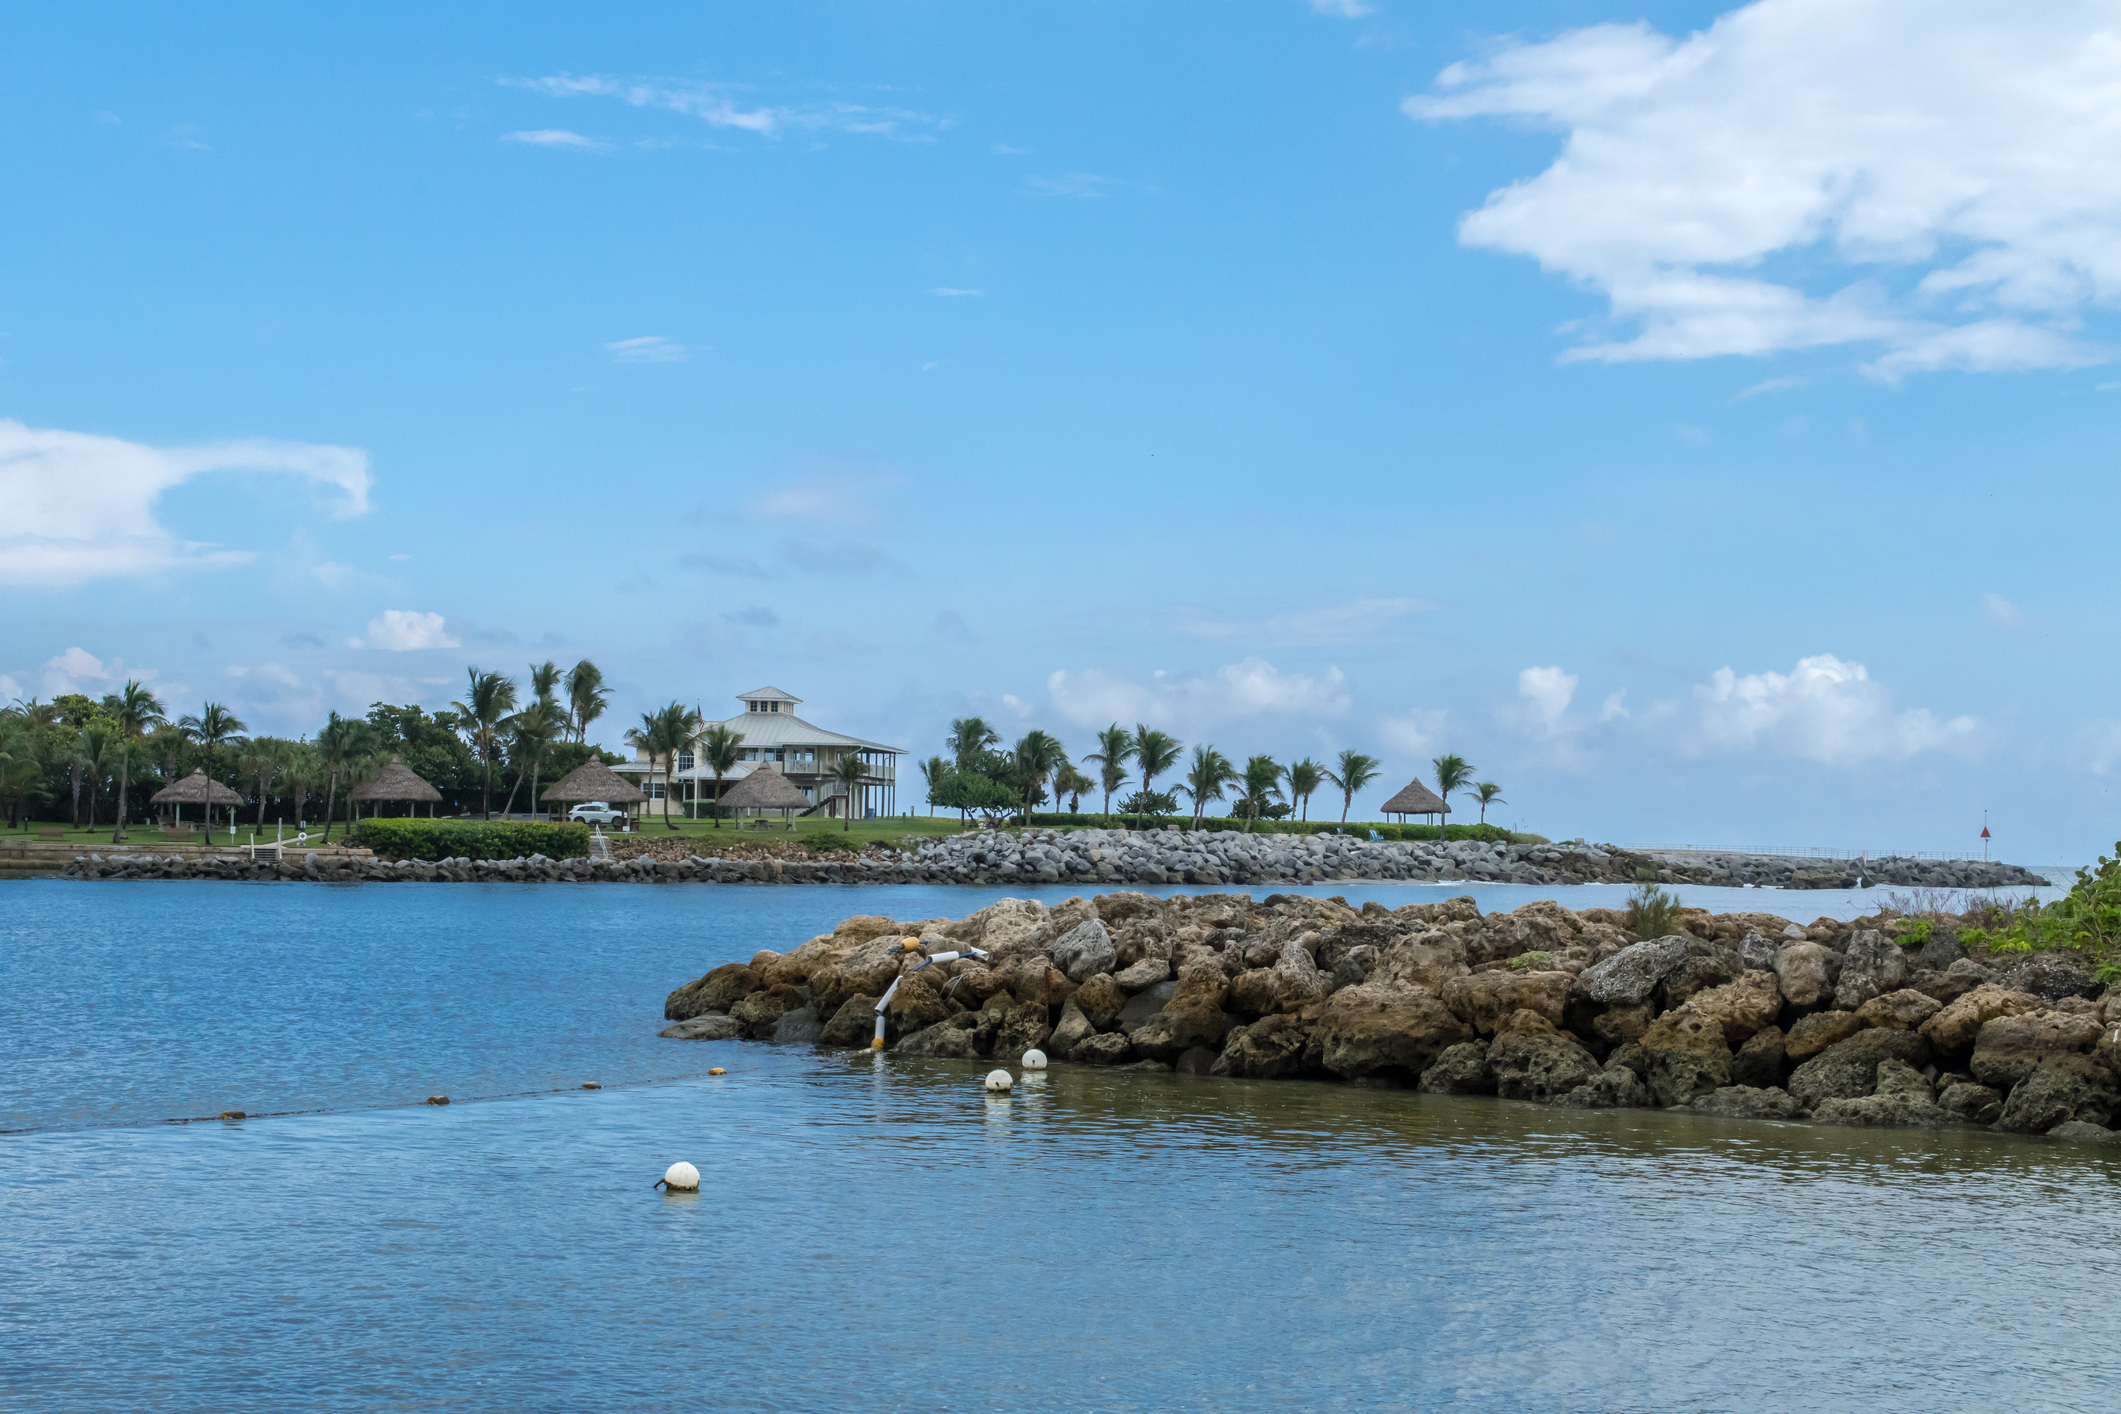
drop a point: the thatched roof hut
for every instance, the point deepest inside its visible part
(395, 782)
(195, 789)
(765, 789)
(593, 780)
(1416, 799)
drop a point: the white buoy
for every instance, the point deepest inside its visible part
(1034, 1059)
(681, 1177)
(998, 1080)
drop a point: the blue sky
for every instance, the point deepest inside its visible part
(1700, 418)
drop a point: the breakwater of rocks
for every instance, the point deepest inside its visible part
(1742, 1015)
(1104, 857)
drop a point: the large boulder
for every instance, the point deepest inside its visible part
(1268, 1049)
(1904, 1010)
(2080, 1132)
(1200, 985)
(1101, 1000)
(1460, 1070)
(1747, 1102)
(1297, 982)
(2009, 1048)
(1614, 1088)
(719, 990)
(1147, 972)
(1538, 1064)
(1805, 973)
(762, 1010)
(1108, 1049)
(1760, 1061)
(1706, 967)
(2062, 1088)
(1073, 1029)
(2052, 975)
(1033, 981)
(1741, 1007)
(1023, 1027)
(916, 1005)
(853, 1023)
(1953, 982)
(709, 1026)
(1380, 1025)
(800, 1027)
(866, 970)
(1252, 992)
(1084, 951)
(1976, 1104)
(1899, 1099)
(956, 1038)
(1809, 1035)
(1871, 966)
(1952, 1030)
(1145, 1004)
(1622, 1024)
(1484, 999)
(1630, 975)
(1686, 1055)
(1848, 1070)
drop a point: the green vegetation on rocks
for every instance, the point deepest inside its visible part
(412, 838)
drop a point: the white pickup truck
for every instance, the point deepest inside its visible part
(596, 810)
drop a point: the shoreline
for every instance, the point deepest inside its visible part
(1879, 1022)
(1103, 858)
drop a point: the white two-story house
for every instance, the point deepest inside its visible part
(799, 750)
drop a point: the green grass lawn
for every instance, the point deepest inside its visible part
(889, 830)
(152, 835)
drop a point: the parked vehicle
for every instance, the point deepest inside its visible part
(596, 810)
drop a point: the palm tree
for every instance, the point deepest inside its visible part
(530, 732)
(97, 751)
(1262, 783)
(341, 746)
(544, 677)
(935, 774)
(165, 746)
(677, 720)
(1206, 779)
(1073, 783)
(586, 696)
(969, 736)
(1304, 777)
(1155, 752)
(1488, 793)
(300, 768)
(263, 758)
(1115, 748)
(214, 725)
(1038, 756)
(1356, 771)
(132, 712)
(487, 702)
(847, 773)
(1452, 773)
(718, 747)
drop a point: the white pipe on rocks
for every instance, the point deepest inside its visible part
(907, 947)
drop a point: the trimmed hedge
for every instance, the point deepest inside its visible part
(413, 838)
(1488, 834)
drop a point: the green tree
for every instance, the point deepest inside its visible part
(1209, 775)
(1260, 784)
(936, 774)
(1155, 752)
(969, 737)
(489, 699)
(660, 735)
(531, 733)
(1037, 756)
(262, 758)
(132, 711)
(720, 748)
(586, 696)
(298, 772)
(1304, 777)
(847, 773)
(1452, 773)
(1488, 793)
(342, 745)
(1115, 748)
(1354, 771)
(96, 749)
(1070, 782)
(544, 677)
(214, 726)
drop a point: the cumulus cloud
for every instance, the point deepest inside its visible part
(76, 670)
(1826, 710)
(649, 348)
(1250, 688)
(721, 106)
(404, 630)
(1938, 180)
(1546, 694)
(81, 507)
(1417, 733)
(2002, 611)
(1352, 622)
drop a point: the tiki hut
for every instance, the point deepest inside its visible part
(766, 789)
(1416, 799)
(397, 782)
(593, 780)
(196, 789)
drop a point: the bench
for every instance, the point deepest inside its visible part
(51, 832)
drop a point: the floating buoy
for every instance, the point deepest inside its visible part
(234, 1114)
(680, 1177)
(998, 1081)
(1034, 1059)
(591, 1085)
(437, 1099)
(716, 1070)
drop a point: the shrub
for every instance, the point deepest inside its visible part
(825, 839)
(2088, 916)
(1652, 912)
(413, 838)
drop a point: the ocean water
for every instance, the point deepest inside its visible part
(880, 1234)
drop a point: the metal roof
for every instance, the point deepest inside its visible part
(767, 694)
(787, 729)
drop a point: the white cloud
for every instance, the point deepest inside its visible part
(946, 292)
(1944, 179)
(10, 690)
(718, 106)
(1250, 688)
(80, 506)
(1352, 622)
(1417, 732)
(557, 137)
(1826, 710)
(2002, 611)
(404, 630)
(1342, 9)
(75, 670)
(649, 348)
(1616, 706)
(1547, 693)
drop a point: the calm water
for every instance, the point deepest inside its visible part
(879, 1234)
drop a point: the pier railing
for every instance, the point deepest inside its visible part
(1785, 851)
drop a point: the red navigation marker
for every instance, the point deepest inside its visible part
(1984, 832)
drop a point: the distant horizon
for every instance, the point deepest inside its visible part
(1318, 374)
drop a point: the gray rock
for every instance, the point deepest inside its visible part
(1143, 974)
(1145, 1004)
(1198, 1061)
(956, 1038)
(1976, 1104)
(1872, 966)
(1614, 1088)
(1848, 1070)
(1758, 1063)
(798, 1028)
(1747, 1102)
(1270, 1047)
(713, 1026)
(1109, 1049)
(1804, 972)
(1538, 1065)
(2051, 975)
(1630, 975)
(1939, 951)
(2063, 1088)
(1757, 953)
(1900, 1099)
(1073, 1029)
(1461, 1070)
(1085, 950)
(2079, 1132)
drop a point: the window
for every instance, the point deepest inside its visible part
(652, 789)
(684, 760)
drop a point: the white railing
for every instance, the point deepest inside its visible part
(1784, 851)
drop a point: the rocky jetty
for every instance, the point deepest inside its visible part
(1099, 857)
(1743, 1015)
